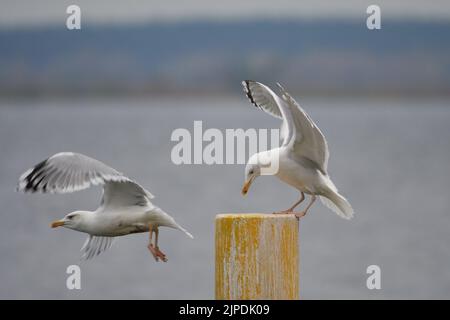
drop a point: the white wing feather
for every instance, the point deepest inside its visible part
(265, 99)
(93, 246)
(68, 172)
(298, 130)
(125, 194)
(312, 143)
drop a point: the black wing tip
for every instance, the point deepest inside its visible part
(22, 189)
(31, 181)
(247, 91)
(246, 84)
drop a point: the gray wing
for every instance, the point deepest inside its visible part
(68, 172)
(261, 97)
(125, 194)
(93, 246)
(311, 142)
(298, 130)
(265, 99)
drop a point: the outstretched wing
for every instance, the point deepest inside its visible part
(297, 130)
(125, 194)
(93, 246)
(311, 143)
(262, 97)
(68, 172)
(265, 99)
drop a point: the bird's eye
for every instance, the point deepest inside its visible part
(251, 171)
(70, 217)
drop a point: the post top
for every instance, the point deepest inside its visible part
(254, 216)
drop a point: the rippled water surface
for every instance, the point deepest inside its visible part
(390, 158)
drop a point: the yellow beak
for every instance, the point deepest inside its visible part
(57, 223)
(246, 186)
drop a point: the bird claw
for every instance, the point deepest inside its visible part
(299, 215)
(157, 254)
(283, 212)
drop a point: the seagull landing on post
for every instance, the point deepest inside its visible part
(302, 158)
(125, 206)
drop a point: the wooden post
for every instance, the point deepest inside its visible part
(256, 256)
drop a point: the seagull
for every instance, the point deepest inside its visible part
(125, 207)
(302, 159)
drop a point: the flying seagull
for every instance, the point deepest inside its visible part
(125, 207)
(302, 158)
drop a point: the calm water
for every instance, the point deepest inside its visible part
(390, 158)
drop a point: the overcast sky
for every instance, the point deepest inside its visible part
(37, 12)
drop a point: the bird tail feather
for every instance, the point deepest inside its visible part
(177, 226)
(338, 204)
(169, 221)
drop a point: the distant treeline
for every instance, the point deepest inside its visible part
(314, 57)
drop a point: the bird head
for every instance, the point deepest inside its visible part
(262, 163)
(74, 220)
(252, 170)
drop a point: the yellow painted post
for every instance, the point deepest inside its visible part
(257, 257)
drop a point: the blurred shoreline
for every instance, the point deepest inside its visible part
(213, 101)
(220, 94)
(207, 58)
